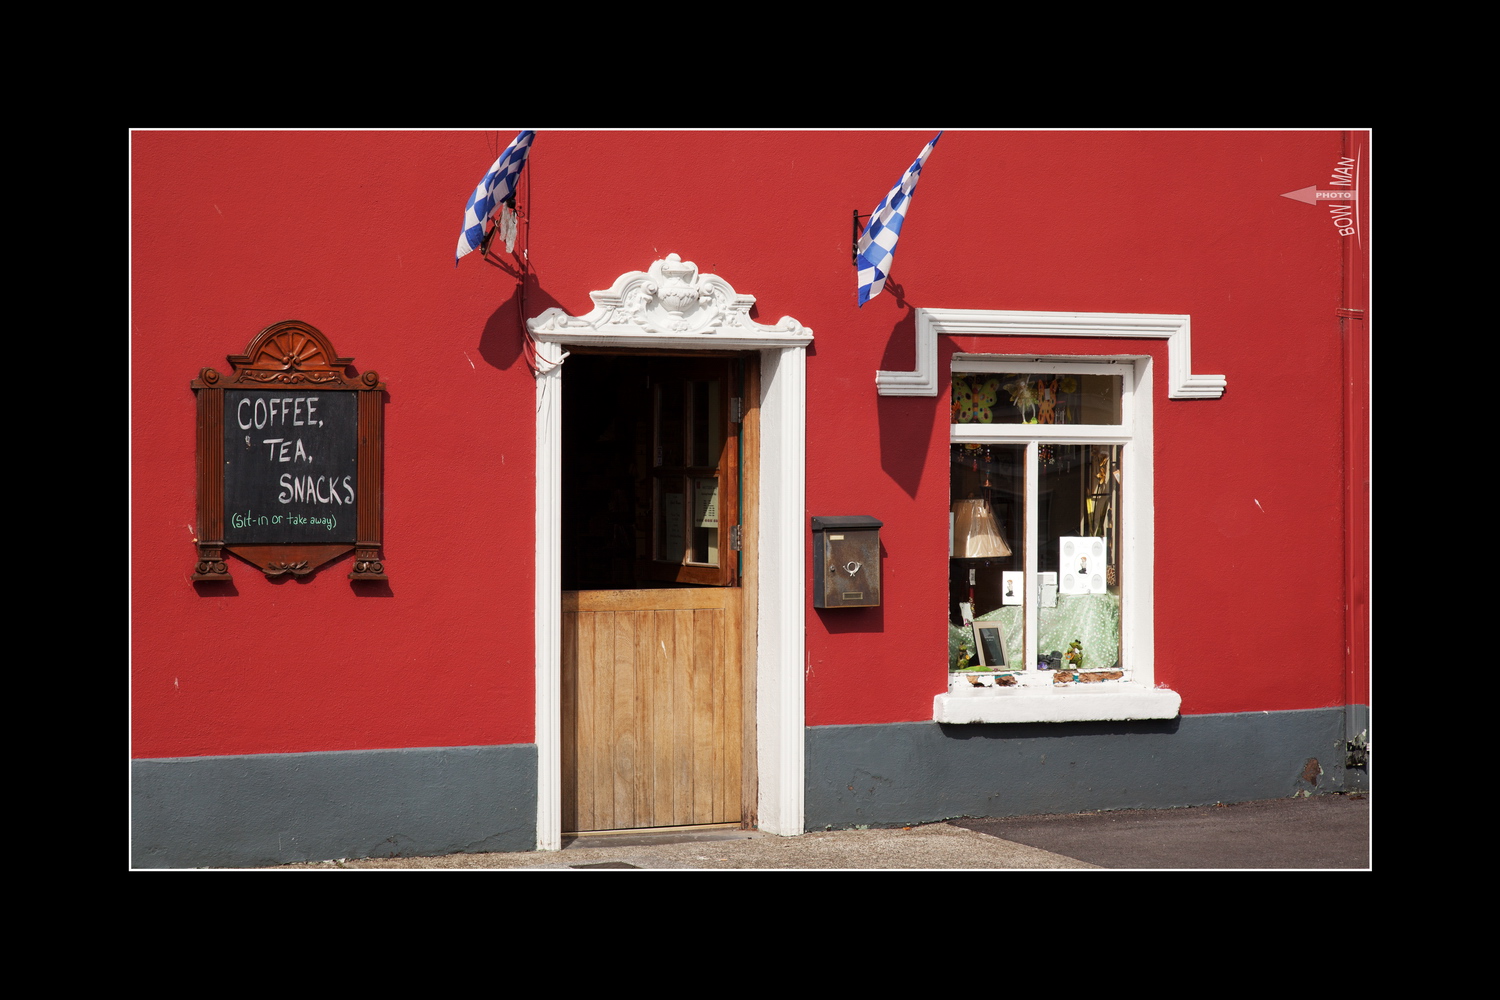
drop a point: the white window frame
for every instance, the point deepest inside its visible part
(1136, 696)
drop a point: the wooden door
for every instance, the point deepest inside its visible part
(653, 686)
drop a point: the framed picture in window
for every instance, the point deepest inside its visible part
(989, 640)
(1082, 570)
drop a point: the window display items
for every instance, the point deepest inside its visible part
(1047, 586)
(1023, 397)
(974, 400)
(976, 535)
(1082, 570)
(989, 642)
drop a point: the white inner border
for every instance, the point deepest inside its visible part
(1135, 542)
(780, 696)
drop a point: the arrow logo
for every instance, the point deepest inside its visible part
(1311, 194)
(1342, 198)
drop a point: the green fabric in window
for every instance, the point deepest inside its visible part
(1092, 619)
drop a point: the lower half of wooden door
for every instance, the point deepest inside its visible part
(652, 706)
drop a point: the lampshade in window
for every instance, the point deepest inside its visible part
(975, 533)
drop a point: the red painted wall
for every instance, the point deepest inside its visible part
(354, 233)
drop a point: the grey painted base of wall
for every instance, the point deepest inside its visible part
(1357, 779)
(918, 772)
(269, 809)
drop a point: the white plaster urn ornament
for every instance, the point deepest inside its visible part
(670, 298)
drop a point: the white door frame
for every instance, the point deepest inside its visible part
(673, 306)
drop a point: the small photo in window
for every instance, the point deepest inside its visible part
(1012, 587)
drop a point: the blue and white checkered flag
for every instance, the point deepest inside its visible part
(498, 185)
(877, 245)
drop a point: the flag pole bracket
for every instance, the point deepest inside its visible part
(854, 247)
(496, 259)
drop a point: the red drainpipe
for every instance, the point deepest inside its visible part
(1354, 328)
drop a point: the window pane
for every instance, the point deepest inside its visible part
(1078, 530)
(1031, 398)
(707, 436)
(671, 518)
(669, 429)
(705, 522)
(987, 567)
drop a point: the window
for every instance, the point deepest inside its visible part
(1050, 615)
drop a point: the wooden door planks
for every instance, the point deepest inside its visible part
(652, 684)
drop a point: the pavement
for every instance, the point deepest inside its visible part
(1325, 832)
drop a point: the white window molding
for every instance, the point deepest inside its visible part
(1182, 383)
(1137, 697)
(674, 307)
(1103, 702)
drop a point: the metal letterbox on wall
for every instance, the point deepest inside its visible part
(846, 562)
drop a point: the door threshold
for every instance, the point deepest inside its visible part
(658, 835)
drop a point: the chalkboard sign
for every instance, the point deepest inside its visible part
(290, 459)
(290, 466)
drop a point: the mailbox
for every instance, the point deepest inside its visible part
(846, 562)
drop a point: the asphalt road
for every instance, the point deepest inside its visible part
(1322, 832)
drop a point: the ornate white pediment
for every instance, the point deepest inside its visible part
(670, 304)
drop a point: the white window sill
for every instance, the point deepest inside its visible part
(1103, 702)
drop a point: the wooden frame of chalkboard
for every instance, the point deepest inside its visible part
(290, 452)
